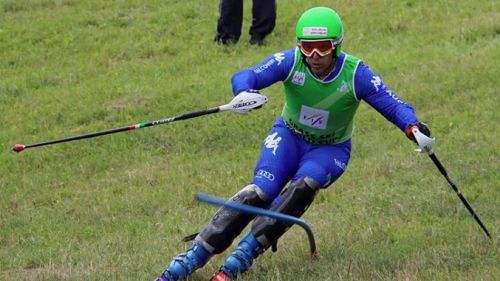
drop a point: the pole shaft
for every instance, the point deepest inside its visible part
(459, 194)
(128, 128)
(79, 137)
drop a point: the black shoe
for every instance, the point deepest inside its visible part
(256, 40)
(225, 40)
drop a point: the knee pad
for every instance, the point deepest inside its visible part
(228, 223)
(294, 201)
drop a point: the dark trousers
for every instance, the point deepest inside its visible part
(231, 18)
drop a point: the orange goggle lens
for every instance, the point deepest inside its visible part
(322, 47)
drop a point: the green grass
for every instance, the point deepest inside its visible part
(116, 207)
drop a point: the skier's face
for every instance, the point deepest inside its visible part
(321, 65)
(319, 55)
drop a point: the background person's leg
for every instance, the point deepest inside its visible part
(230, 21)
(263, 20)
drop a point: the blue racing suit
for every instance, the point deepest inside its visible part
(285, 156)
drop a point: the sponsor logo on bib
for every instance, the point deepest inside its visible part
(313, 117)
(299, 78)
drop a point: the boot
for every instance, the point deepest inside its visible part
(240, 260)
(186, 263)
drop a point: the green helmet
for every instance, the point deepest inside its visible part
(320, 23)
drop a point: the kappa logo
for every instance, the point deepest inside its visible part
(279, 57)
(272, 142)
(265, 174)
(344, 88)
(376, 81)
(299, 78)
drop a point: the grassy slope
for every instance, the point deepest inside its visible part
(115, 208)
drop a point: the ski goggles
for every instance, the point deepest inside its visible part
(321, 47)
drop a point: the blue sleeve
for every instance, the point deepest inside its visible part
(370, 88)
(271, 70)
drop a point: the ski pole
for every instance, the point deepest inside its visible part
(425, 143)
(459, 194)
(262, 212)
(239, 103)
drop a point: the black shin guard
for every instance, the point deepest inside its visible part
(228, 223)
(295, 201)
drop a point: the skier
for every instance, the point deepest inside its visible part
(309, 145)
